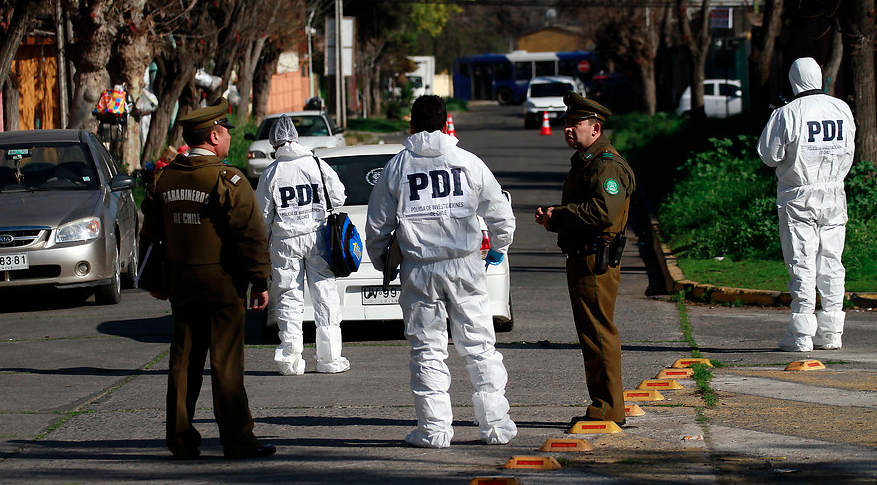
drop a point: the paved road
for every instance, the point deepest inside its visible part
(85, 385)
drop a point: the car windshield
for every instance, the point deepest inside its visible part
(309, 125)
(46, 166)
(545, 90)
(359, 174)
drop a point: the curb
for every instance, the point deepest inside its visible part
(675, 280)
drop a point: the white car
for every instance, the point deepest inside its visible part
(315, 130)
(362, 297)
(545, 95)
(721, 98)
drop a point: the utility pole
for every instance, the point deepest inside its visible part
(310, 32)
(339, 75)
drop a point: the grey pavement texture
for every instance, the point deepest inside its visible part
(84, 391)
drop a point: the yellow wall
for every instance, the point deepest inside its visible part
(289, 91)
(553, 40)
(36, 67)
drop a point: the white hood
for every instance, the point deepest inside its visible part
(805, 75)
(433, 222)
(292, 150)
(430, 144)
(290, 192)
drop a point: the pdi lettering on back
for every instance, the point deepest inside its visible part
(303, 193)
(831, 130)
(440, 180)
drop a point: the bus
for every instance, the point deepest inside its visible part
(504, 77)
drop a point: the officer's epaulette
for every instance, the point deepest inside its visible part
(606, 155)
(231, 175)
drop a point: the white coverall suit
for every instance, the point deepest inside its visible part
(290, 195)
(431, 194)
(811, 142)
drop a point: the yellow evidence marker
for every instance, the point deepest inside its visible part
(681, 363)
(562, 444)
(633, 410)
(665, 384)
(583, 427)
(805, 365)
(534, 462)
(638, 395)
(683, 373)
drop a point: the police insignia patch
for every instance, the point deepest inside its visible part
(611, 186)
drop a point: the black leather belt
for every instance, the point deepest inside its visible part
(581, 251)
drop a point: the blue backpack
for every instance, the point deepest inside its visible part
(342, 238)
(345, 245)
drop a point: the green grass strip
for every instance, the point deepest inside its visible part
(702, 373)
(58, 424)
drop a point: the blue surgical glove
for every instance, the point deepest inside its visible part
(493, 257)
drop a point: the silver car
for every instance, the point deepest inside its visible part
(68, 220)
(315, 130)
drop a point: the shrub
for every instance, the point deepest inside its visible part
(724, 205)
(861, 189)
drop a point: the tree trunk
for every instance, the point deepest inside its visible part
(697, 45)
(11, 117)
(650, 92)
(649, 52)
(246, 68)
(135, 51)
(87, 90)
(262, 81)
(861, 35)
(22, 17)
(829, 74)
(90, 53)
(763, 47)
(228, 48)
(174, 74)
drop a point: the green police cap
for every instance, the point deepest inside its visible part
(581, 108)
(215, 114)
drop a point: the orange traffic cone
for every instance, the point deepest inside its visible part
(546, 125)
(450, 127)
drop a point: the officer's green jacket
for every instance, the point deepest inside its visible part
(596, 197)
(206, 213)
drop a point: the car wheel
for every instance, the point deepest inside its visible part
(130, 275)
(504, 96)
(500, 324)
(530, 121)
(111, 293)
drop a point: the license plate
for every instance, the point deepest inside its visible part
(552, 114)
(375, 295)
(13, 261)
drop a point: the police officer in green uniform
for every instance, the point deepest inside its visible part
(205, 213)
(590, 224)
